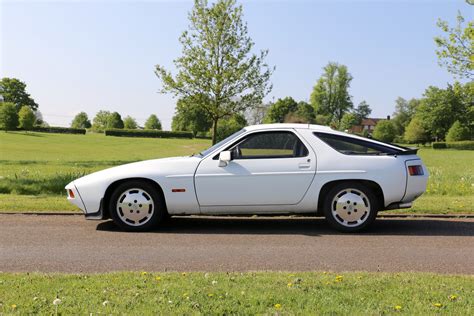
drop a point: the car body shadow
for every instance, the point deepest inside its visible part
(303, 226)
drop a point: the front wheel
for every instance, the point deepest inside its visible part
(350, 207)
(136, 206)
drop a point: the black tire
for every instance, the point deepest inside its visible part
(144, 191)
(346, 219)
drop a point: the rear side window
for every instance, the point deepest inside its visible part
(354, 146)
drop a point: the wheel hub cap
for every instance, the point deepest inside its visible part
(350, 207)
(135, 207)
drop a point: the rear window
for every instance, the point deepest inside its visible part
(354, 146)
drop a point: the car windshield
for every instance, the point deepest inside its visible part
(214, 147)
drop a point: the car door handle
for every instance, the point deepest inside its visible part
(304, 166)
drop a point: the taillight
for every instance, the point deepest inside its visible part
(415, 170)
(71, 193)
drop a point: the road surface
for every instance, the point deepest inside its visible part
(71, 244)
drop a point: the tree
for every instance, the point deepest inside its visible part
(189, 116)
(257, 114)
(130, 123)
(217, 67)
(305, 112)
(101, 121)
(40, 122)
(153, 122)
(81, 120)
(230, 126)
(362, 111)
(384, 131)
(26, 118)
(14, 91)
(404, 111)
(330, 95)
(349, 120)
(456, 50)
(8, 116)
(458, 132)
(440, 108)
(415, 133)
(280, 109)
(115, 121)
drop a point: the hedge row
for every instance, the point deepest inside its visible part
(461, 145)
(56, 129)
(147, 133)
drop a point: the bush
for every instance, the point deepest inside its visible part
(26, 118)
(8, 116)
(439, 145)
(457, 132)
(57, 129)
(463, 145)
(147, 133)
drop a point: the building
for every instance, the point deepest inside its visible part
(367, 125)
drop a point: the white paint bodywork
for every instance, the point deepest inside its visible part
(251, 186)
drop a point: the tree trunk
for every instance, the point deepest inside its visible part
(214, 131)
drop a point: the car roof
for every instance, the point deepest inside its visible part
(288, 125)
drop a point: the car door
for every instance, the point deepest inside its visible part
(267, 168)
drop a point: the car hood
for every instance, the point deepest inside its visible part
(152, 169)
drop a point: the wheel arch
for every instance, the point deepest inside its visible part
(374, 186)
(110, 189)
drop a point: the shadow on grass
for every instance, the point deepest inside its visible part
(303, 226)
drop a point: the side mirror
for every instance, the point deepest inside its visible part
(224, 158)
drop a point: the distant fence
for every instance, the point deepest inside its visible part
(147, 133)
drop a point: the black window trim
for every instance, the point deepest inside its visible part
(216, 157)
(384, 150)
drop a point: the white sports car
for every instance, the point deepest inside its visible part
(261, 169)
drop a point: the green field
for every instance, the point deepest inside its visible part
(34, 167)
(269, 293)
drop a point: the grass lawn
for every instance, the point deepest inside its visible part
(281, 293)
(34, 167)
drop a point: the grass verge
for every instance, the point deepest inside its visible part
(237, 293)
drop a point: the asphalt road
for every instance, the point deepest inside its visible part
(72, 244)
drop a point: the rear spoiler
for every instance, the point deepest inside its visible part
(408, 151)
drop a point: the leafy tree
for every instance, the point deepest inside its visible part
(230, 126)
(305, 112)
(362, 111)
(404, 111)
(101, 121)
(330, 95)
(115, 121)
(39, 119)
(322, 119)
(26, 118)
(458, 132)
(385, 131)
(190, 116)
(14, 91)
(153, 122)
(456, 50)
(280, 109)
(440, 108)
(217, 66)
(415, 132)
(81, 120)
(130, 123)
(8, 116)
(349, 120)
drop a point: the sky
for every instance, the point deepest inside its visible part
(100, 55)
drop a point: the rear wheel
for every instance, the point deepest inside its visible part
(350, 207)
(136, 206)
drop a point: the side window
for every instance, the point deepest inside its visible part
(269, 145)
(354, 146)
